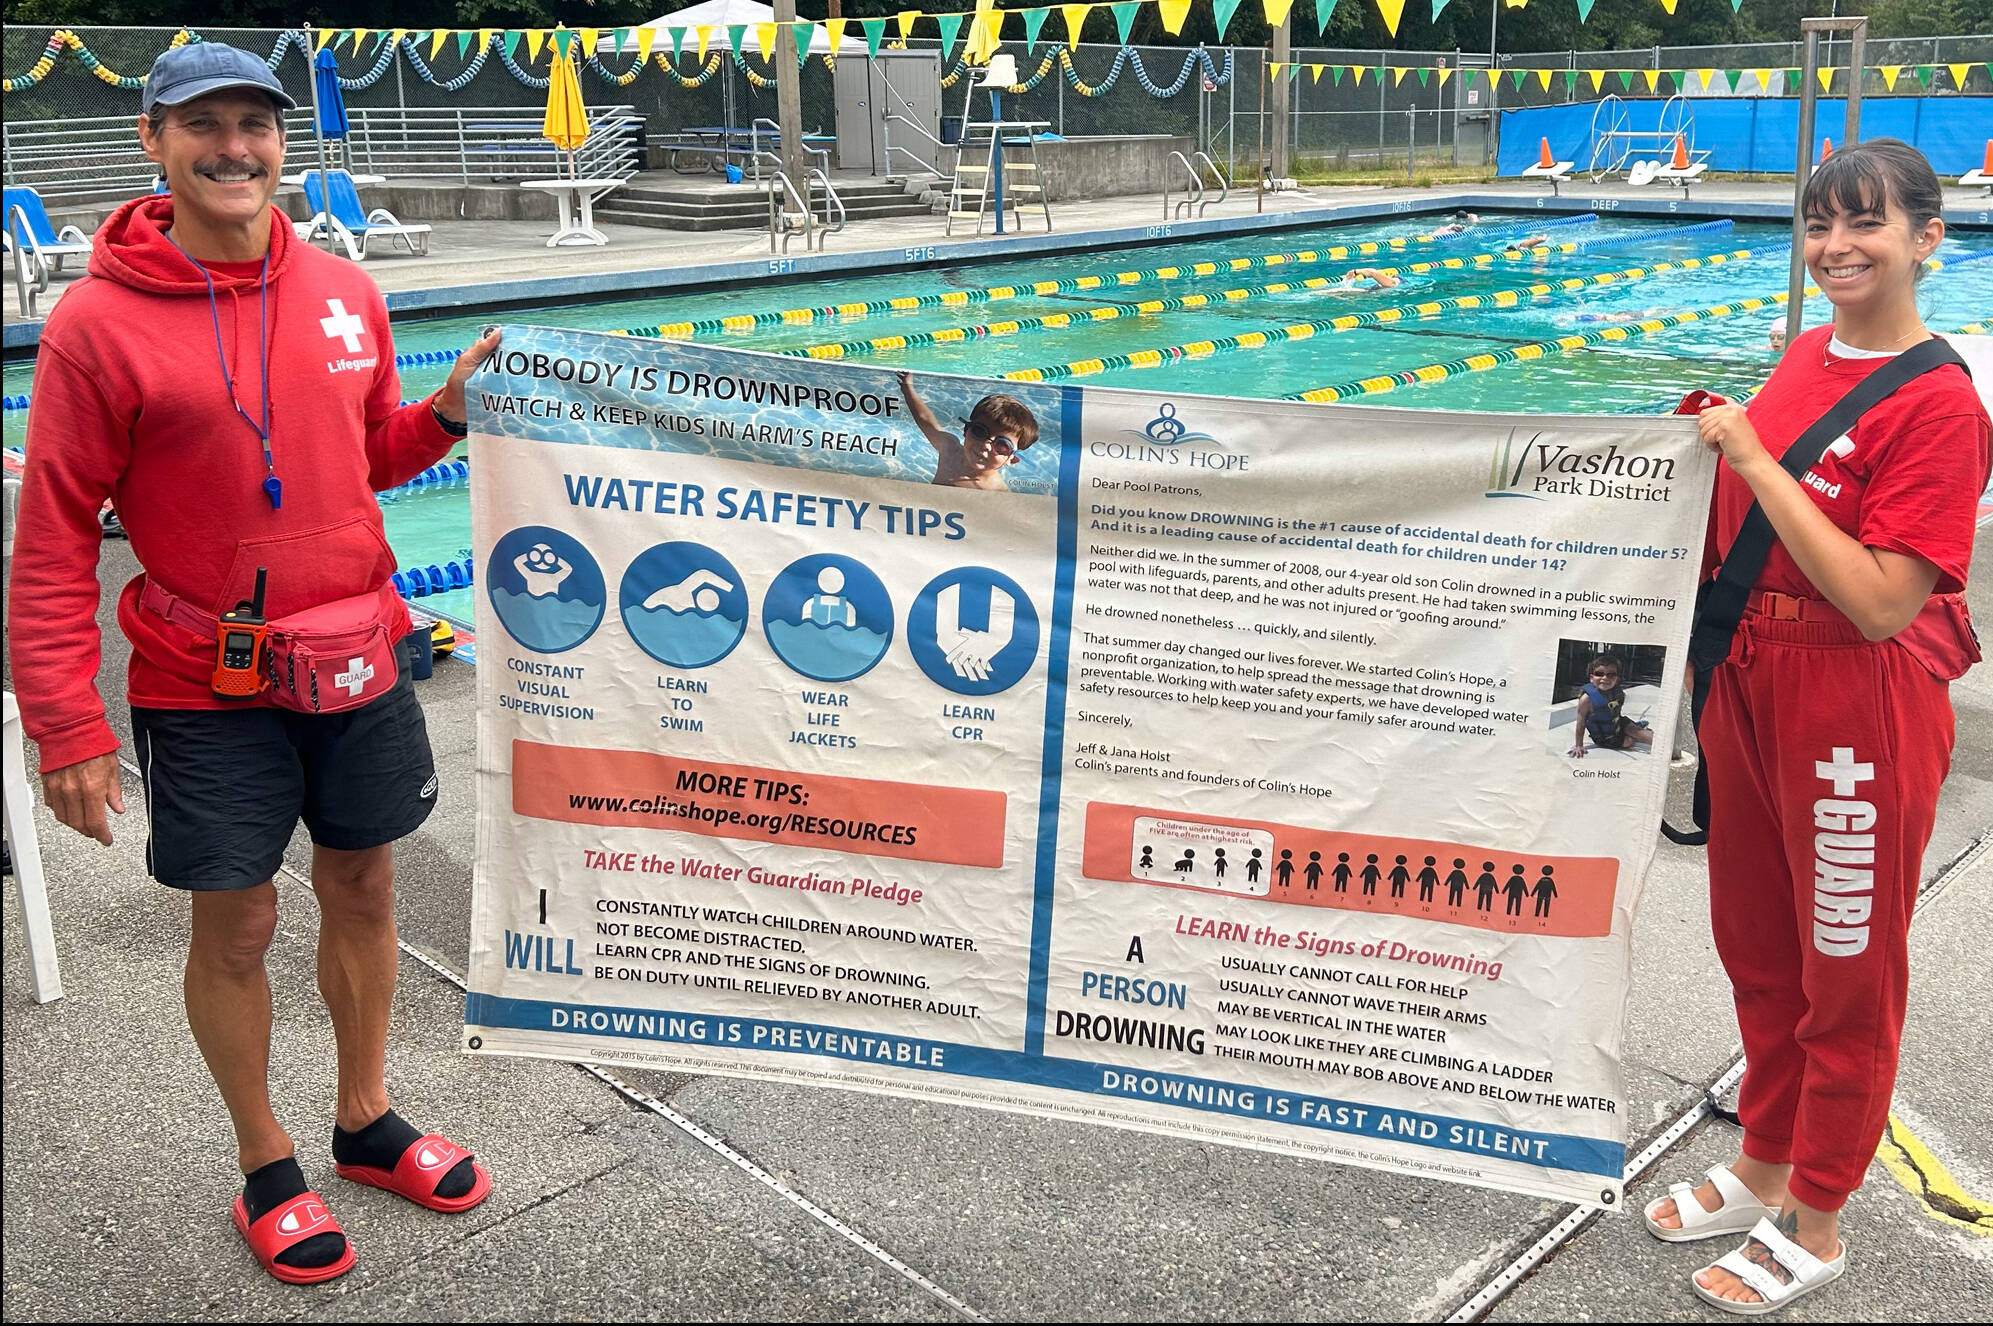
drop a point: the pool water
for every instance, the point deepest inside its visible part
(1642, 374)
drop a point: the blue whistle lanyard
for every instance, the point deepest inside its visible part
(273, 487)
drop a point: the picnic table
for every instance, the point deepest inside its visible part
(711, 146)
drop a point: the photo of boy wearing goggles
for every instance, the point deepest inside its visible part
(994, 435)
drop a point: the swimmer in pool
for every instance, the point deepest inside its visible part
(1381, 278)
(1462, 223)
(1776, 337)
(1518, 246)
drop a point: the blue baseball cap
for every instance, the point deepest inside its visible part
(198, 68)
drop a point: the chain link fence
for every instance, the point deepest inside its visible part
(1347, 109)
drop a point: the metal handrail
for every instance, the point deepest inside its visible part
(778, 215)
(831, 200)
(1203, 159)
(1192, 198)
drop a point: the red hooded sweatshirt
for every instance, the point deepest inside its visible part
(130, 404)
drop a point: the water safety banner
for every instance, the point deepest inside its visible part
(1273, 774)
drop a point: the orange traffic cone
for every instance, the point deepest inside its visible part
(1987, 168)
(1826, 148)
(1681, 161)
(1545, 160)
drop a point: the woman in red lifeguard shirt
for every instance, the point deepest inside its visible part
(1829, 729)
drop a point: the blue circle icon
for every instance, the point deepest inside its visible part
(974, 631)
(828, 617)
(545, 588)
(683, 604)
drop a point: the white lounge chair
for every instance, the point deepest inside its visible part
(27, 224)
(350, 223)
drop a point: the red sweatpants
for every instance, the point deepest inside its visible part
(1825, 753)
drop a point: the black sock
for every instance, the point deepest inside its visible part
(268, 1188)
(380, 1146)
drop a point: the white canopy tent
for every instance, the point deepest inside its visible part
(735, 13)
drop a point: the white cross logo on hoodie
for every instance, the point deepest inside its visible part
(343, 325)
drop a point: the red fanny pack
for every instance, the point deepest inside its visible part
(1941, 637)
(324, 660)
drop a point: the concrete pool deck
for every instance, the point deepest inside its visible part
(475, 266)
(793, 1203)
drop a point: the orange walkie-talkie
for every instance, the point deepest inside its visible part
(239, 648)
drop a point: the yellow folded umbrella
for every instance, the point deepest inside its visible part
(566, 125)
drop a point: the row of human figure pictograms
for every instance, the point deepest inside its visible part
(1399, 875)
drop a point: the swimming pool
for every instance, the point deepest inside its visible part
(1261, 314)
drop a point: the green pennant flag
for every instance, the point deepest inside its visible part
(1570, 79)
(735, 32)
(677, 40)
(563, 39)
(1625, 79)
(380, 38)
(1335, 75)
(618, 37)
(1924, 72)
(1425, 77)
(1034, 21)
(951, 28)
(1518, 75)
(511, 43)
(1437, 6)
(1324, 11)
(1791, 81)
(1124, 16)
(1293, 72)
(1585, 9)
(463, 44)
(1221, 13)
(1736, 6)
(1731, 76)
(804, 31)
(875, 32)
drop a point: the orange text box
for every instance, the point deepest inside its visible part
(1353, 872)
(866, 817)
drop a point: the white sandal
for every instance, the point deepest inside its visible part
(1740, 1212)
(1789, 1272)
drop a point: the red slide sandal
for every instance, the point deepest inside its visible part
(419, 1170)
(303, 1217)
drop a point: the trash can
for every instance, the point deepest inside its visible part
(951, 130)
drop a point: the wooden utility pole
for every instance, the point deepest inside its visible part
(789, 95)
(1283, 40)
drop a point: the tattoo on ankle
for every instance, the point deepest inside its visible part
(1762, 1254)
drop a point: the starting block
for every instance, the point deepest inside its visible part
(1982, 176)
(1548, 168)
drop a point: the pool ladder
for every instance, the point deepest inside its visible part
(782, 225)
(1194, 167)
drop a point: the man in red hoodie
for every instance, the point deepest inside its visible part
(234, 391)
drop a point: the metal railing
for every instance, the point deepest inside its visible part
(780, 192)
(488, 143)
(1201, 160)
(1192, 195)
(81, 160)
(830, 200)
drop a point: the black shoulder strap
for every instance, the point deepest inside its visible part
(1721, 604)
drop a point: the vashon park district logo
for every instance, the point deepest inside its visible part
(1538, 468)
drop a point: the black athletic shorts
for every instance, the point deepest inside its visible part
(225, 788)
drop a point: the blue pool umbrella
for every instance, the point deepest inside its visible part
(330, 115)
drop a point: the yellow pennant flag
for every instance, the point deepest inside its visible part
(1075, 16)
(589, 38)
(1276, 12)
(1668, 5)
(359, 35)
(907, 18)
(1356, 74)
(1445, 74)
(394, 39)
(1398, 75)
(1273, 68)
(834, 29)
(1598, 78)
(1826, 78)
(1315, 71)
(436, 40)
(645, 38)
(1890, 73)
(1173, 13)
(1958, 73)
(1764, 77)
(705, 38)
(534, 40)
(1705, 75)
(1543, 77)
(1653, 78)
(1391, 11)
(325, 35)
(764, 39)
